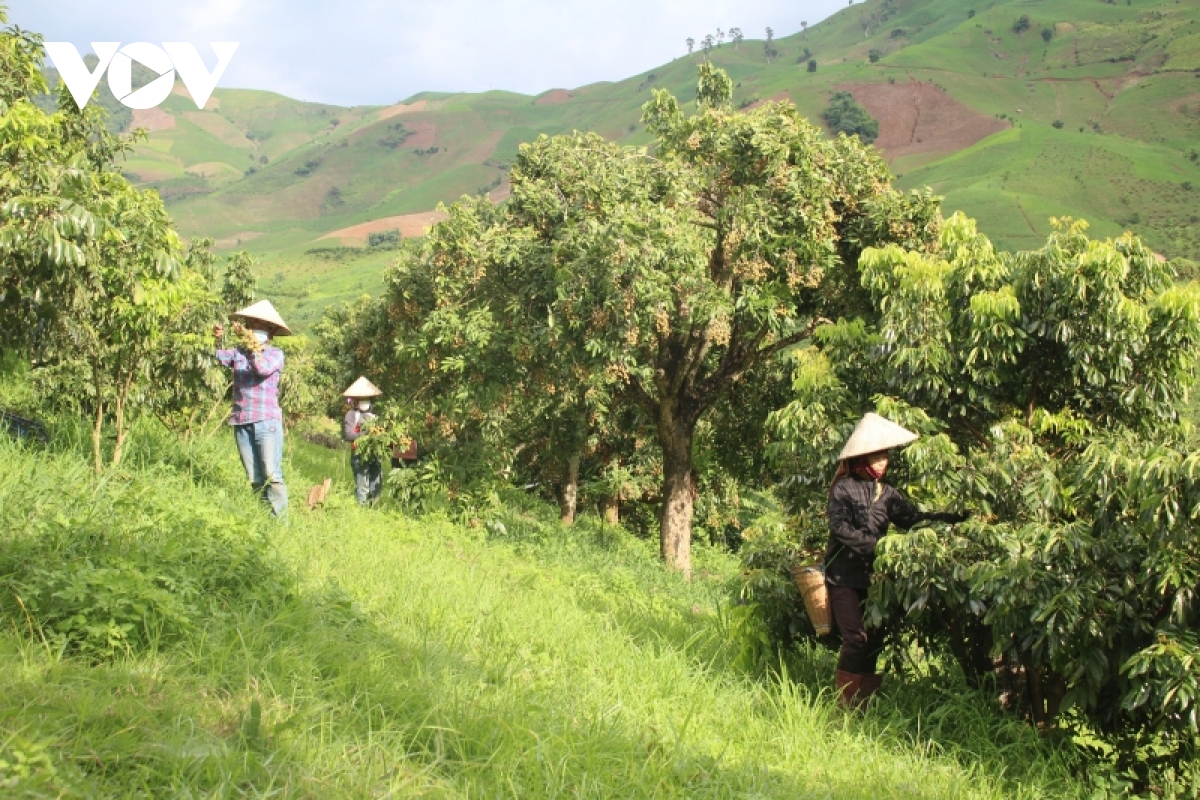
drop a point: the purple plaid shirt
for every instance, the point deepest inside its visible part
(255, 384)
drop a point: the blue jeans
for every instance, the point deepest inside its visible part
(260, 445)
(368, 478)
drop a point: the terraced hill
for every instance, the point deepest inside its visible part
(1015, 110)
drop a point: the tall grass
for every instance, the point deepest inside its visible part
(360, 653)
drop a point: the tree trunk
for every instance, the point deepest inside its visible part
(119, 418)
(675, 530)
(119, 446)
(1046, 691)
(570, 491)
(610, 507)
(98, 426)
(213, 412)
(97, 434)
(971, 644)
(1037, 703)
(1054, 687)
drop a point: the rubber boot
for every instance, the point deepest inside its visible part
(849, 687)
(870, 685)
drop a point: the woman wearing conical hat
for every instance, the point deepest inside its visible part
(368, 473)
(861, 508)
(256, 418)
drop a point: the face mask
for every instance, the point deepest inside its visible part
(364, 405)
(262, 337)
(867, 470)
(874, 472)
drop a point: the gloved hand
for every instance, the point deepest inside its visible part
(950, 516)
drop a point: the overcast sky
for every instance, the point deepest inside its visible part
(376, 52)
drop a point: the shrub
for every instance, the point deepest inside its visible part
(308, 168)
(398, 136)
(770, 612)
(846, 115)
(386, 240)
(334, 253)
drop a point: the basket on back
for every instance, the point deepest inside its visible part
(811, 582)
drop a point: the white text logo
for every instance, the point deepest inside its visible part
(165, 61)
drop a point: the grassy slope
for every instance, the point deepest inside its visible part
(415, 657)
(1123, 73)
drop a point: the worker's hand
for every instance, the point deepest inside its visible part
(952, 517)
(218, 331)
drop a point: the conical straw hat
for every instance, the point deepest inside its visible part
(362, 388)
(263, 311)
(874, 433)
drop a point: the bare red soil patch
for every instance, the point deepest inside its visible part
(553, 97)
(501, 192)
(1189, 107)
(152, 119)
(423, 134)
(408, 225)
(918, 117)
(485, 149)
(402, 108)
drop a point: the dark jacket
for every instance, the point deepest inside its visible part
(860, 511)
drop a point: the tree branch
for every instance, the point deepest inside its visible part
(740, 359)
(638, 394)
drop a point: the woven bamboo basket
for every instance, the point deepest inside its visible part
(811, 582)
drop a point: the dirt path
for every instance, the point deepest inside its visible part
(1028, 221)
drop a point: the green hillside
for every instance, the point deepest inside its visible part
(1088, 108)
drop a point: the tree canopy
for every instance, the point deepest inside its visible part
(95, 286)
(617, 278)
